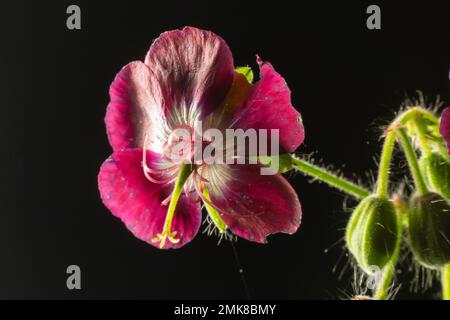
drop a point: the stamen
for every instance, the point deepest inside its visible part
(203, 179)
(162, 170)
(189, 194)
(165, 202)
(160, 181)
(148, 171)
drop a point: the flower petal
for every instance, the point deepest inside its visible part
(134, 109)
(445, 127)
(137, 202)
(269, 107)
(253, 205)
(193, 67)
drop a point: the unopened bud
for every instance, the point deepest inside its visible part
(436, 168)
(372, 233)
(429, 230)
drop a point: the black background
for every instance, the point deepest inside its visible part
(346, 81)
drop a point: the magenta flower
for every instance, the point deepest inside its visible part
(445, 127)
(188, 75)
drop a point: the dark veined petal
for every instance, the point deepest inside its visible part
(128, 194)
(269, 107)
(445, 127)
(193, 67)
(253, 205)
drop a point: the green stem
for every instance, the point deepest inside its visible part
(385, 164)
(413, 163)
(330, 178)
(445, 280)
(421, 133)
(382, 291)
(412, 113)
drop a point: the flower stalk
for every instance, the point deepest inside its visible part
(385, 164)
(421, 134)
(382, 290)
(329, 178)
(413, 162)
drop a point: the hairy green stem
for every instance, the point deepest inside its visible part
(445, 280)
(385, 164)
(421, 134)
(382, 291)
(412, 113)
(413, 163)
(331, 179)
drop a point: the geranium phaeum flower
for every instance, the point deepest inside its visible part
(445, 127)
(188, 75)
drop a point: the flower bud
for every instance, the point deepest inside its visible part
(373, 233)
(436, 168)
(429, 230)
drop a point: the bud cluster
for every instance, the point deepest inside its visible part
(374, 231)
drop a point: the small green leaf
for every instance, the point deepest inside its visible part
(246, 72)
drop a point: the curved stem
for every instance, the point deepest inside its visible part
(413, 112)
(331, 179)
(413, 163)
(445, 280)
(385, 164)
(421, 133)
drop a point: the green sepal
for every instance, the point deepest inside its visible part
(373, 233)
(246, 72)
(214, 214)
(436, 169)
(429, 230)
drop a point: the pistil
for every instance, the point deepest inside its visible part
(167, 233)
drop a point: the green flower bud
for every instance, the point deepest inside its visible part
(436, 168)
(429, 230)
(373, 233)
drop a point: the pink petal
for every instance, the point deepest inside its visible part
(133, 99)
(255, 206)
(445, 127)
(269, 107)
(137, 202)
(193, 67)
